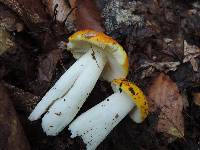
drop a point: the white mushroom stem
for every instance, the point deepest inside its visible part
(95, 124)
(63, 101)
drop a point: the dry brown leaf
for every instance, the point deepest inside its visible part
(162, 66)
(5, 40)
(194, 64)
(36, 19)
(61, 12)
(72, 3)
(165, 99)
(9, 20)
(48, 64)
(58, 8)
(31, 13)
(190, 53)
(147, 72)
(88, 16)
(22, 101)
(185, 100)
(196, 98)
(12, 136)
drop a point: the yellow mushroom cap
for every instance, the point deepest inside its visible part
(117, 65)
(140, 112)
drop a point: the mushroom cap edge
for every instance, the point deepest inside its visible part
(117, 57)
(140, 112)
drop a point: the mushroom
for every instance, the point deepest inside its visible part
(95, 124)
(97, 54)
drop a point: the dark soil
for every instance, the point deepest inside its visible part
(34, 65)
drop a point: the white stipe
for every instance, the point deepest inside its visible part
(62, 86)
(95, 124)
(65, 109)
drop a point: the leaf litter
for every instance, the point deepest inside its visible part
(159, 36)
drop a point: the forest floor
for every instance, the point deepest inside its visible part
(162, 40)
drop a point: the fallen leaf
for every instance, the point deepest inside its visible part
(72, 3)
(88, 16)
(196, 98)
(22, 101)
(162, 66)
(47, 65)
(11, 134)
(31, 13)
(185, 76)
(149, 67)
(190, 22)
(194, 64)
(10, 20)
(149, 56)
(190, 53)
(185, 100)
(190, 50)
(164, 98)
(61, 12)
(36, 19)
(5, 40)
(147, 72)
(57, 9)
(19, 27)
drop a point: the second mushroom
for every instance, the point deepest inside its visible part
(97, 55)
(96, 123)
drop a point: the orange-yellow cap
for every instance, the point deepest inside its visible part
(140, 112)
(82, 41)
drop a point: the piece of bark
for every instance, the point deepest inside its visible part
(12, 136)
(165, 99)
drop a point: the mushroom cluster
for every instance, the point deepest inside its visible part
(96, 123)
(97, 55)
